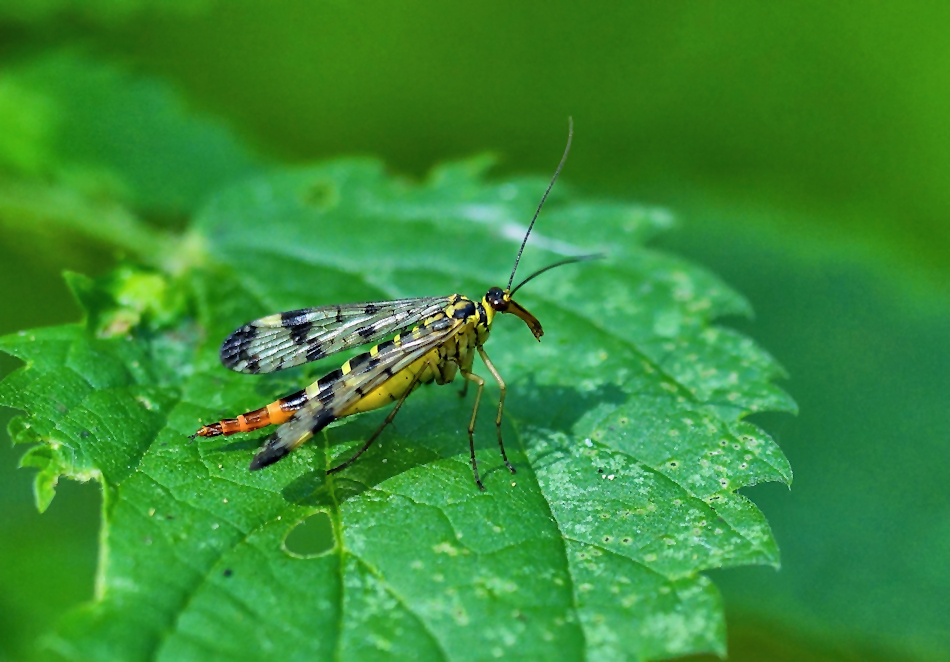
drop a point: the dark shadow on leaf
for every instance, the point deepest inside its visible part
(558, 408)
(251, 443)
(310, 489)
(432, 426)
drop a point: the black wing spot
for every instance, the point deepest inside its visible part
(294, 401)
(359, 360)
(370, 309)
(316, 352)
(321, 420)
(292, 317)
(327, 394)
(267, 456)
(299, 332)
(236, 344)
(329, 378)
(339, 315)
(366, 331)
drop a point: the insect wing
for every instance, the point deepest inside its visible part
(281, 341)
(349, 388)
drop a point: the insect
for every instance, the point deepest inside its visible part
(446, 333)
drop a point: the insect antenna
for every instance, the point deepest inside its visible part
(570, 135)
(570, 260)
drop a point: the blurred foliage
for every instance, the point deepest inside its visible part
(110, 12)
(814, 104)
(803, 147)
(99, 131)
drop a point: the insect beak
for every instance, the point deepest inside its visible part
(528, 318)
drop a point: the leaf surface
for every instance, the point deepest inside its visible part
(624, 423)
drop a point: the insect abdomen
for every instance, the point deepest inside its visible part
(277, 412)
(395, 387)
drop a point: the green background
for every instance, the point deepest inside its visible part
(804, 149)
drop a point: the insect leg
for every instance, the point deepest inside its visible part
(389, 419)
(464, 369)
(501, 404)
(472, 377)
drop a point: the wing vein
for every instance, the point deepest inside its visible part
(277, 342)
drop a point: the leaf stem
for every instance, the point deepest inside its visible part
(34, 205)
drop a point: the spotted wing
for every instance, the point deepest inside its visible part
(289, 339)
(336, 396)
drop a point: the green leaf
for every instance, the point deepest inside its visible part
(625, 425)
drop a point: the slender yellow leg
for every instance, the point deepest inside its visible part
(501, 403)
(389, 419)
(472, 377)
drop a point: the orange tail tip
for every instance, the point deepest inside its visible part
(243, 423)
(208, 431)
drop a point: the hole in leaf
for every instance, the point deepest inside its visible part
(311, 537)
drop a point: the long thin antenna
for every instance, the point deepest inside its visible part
(570, 135)
(570, 260)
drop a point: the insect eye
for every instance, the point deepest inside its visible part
(496, 299)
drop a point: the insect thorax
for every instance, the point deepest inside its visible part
(473, 331)
(474, 314)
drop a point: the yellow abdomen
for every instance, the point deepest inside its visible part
(396, 386)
